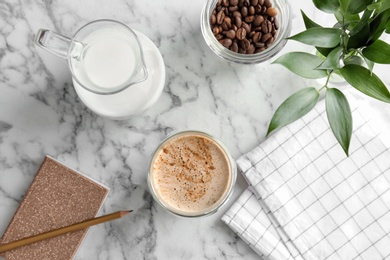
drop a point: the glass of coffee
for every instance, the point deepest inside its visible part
(191, 174)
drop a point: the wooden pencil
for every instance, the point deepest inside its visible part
(61, 231)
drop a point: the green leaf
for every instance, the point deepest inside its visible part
(311, 24)
(308, 22)
(378, 52)
(374, 6)
(302, 64)
(365, 81)
(378, 25)
(363, 21)
(339, 116)
(293, 108)
(324, 51)
(360, 39)
(320, 37)
(388, 27)
(370, 64)
(340, 17)
(385, 5)
(332, 60)
(353, 60)
(353, 6)
(328, 6)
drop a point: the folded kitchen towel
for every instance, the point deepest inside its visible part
(307, 200)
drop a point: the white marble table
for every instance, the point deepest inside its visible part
(41, 114)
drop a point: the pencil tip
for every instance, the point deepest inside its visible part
(124, 213)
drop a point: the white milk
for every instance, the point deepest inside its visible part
(133, 100)
(108, 60)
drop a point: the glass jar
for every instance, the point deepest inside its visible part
(284, 20)
(165, 174)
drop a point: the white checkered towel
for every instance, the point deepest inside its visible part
(307, 200)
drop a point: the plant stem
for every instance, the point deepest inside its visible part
(343, 33)
(327, 81)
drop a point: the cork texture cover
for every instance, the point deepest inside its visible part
(57, 197)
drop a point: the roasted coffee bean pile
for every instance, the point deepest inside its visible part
(245, 26)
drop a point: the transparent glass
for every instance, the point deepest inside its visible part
(226, 195)
(284, 18)
(104, 56)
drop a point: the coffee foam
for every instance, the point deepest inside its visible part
(190, 174)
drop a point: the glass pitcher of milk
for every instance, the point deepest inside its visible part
(105, 57)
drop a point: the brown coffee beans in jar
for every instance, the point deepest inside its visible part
(245, 26)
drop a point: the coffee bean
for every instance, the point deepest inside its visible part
(226, 42)
(259, 44)
(273, 28)
(245, 44)
(238, 21)
(234, 47)
(220, 17)
(264, 27)
(213, 19)
(257, 9)
(269, 25)
(241, 33)
(233, 2)
(237, 13)
(228, 22)
(276, 23)
(265, 37)
(245, 26)
(270, 41)
(219, 37)
(231, 34)
(233, 8)
(259, 50)
(258, 20)
(249, 19)
(251, 10)
(241, 50)
(256, 36)
(251, 49)
(224, 26)
(244, 11)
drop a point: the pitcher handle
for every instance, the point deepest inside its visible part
(53, 42)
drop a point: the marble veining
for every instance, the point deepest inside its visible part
(41, 114)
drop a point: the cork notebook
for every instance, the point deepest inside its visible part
(57, 197)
